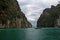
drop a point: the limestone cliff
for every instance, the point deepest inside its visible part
(11, 15)
(50, 17)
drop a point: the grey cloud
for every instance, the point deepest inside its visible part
(33, 9)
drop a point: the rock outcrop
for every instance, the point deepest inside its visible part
(50, 17)
(11, 15)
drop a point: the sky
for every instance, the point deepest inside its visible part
(34, 8)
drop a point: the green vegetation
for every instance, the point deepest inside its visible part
(9, 11)
(49, 17)
(11, 15)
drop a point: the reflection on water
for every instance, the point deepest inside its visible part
(30, 34)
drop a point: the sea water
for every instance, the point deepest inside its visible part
(30, 34)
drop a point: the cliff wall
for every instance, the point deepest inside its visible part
(50, 17)
(11, 15)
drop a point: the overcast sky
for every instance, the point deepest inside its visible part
(33, 8)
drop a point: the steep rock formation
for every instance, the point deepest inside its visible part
(50, 17)
(11, 15)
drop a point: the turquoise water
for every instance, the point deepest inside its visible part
(30, 34)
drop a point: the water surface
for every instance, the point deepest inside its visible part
(30, 34)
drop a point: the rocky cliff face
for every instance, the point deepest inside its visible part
(50, 17)
(11, 15)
